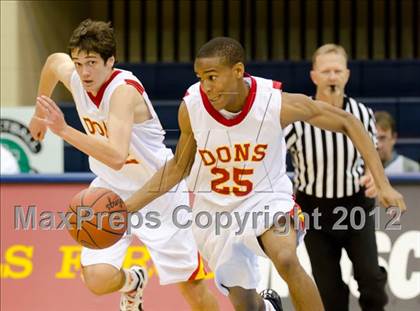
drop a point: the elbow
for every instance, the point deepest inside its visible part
(116, 165)
(55, 58)
(53, 62)
(117, 162)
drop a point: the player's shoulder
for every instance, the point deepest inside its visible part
(121, 74)
(126, 79)
(268, 84)
(192, 92)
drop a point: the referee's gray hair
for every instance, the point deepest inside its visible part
(329, 48)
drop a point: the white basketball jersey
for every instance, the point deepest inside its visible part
(242, 158)
(147, 152)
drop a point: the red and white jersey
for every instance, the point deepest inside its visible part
(147, 151)
(239, 159)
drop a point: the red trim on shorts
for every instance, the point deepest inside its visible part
(196, 271)
(300, 215)
(137, 85)
(237, 119)
(98, 98)
(277, 85)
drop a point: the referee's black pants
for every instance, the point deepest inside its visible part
(324, 248)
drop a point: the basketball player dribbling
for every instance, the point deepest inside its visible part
(124, 142)
(233, 150)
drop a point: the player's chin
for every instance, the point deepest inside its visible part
(218, 105)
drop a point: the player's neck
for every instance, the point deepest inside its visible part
(240, 99)
(108, 76)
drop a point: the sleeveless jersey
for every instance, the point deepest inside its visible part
(240, 159)
(147, 153)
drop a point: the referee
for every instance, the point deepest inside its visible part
(328, 176)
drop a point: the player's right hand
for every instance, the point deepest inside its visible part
(37, 128)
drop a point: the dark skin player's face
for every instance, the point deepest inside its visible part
(220, 82)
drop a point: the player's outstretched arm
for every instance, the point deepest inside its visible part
(298, 107)
(173, 171)
(112, 151)
(58, 67)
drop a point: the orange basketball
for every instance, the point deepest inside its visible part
(98, 218)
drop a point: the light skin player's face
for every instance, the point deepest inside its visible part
(219, 81)
(92, 69)
(330, 70)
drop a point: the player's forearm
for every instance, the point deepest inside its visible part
(101, 150)
(47, 81)
(162, 181)
(362, 141)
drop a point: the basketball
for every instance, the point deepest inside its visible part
(98, 218)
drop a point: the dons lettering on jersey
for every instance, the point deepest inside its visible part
(94, 127)
(238, 177)
(239, 153)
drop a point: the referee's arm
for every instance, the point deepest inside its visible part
(298, 107)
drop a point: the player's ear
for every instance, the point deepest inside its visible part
(110, 61)
(238, 70)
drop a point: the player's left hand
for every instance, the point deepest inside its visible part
(369, 184)
(54, 117)
(389, 197)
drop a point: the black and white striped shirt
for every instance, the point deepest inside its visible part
(327, 165)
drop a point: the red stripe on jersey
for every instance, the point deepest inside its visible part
(137, 85)
(132, 161)
(237, 119)
(98, 98)
(277, 85)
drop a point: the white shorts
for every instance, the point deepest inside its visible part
(231, 252)
(173, 250)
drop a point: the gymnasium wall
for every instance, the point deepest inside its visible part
(173, 30)
(30, 31)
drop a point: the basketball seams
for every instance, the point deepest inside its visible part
(103, 229)
(87, 232)
(97, 199)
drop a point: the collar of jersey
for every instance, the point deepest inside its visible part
(237, 119)
(98, 98)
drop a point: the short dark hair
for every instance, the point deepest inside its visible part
(229, 49)
(385, 120)
(94, 36)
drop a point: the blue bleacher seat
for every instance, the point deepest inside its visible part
(390, 78)
(409, 147)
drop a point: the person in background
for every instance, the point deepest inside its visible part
(387, 137)
(331, 179)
